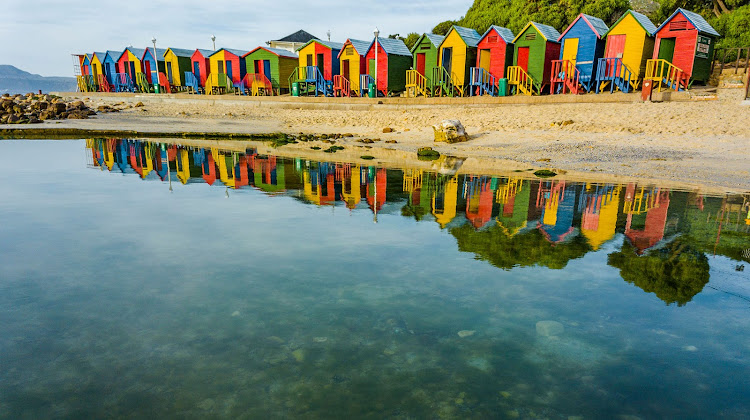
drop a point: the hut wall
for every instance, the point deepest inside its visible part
(638, 45)
(430, 51)
(501, 53)
(685, 37)
(590, 47)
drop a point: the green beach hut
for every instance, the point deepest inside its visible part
(425, 59)
(274, 64)
(535, 48)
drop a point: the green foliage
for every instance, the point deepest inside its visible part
(675, 273)
(730, 18)
(411, 39)
(734, 26)
(442, 28)
(526, 249)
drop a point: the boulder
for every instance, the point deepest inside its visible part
(76, 105)
(450, 131)
(57, 107)
(13, 118)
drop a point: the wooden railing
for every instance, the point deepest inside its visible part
(258, 84)
(191, 82)
(616, 73)
(364, 84)
(565, 73)
(104, 84)
(164, 83)
(518, 77)
(481, 82)
(416, 84)
(216, 84)
(142, 81)
(443, 82)
(662, 71)
(123, 83)
(341, 86)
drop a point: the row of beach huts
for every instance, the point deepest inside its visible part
(588, 56)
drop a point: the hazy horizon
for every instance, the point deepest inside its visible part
(62, 29)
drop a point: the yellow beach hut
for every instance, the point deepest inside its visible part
(456, 55)
(630, 44)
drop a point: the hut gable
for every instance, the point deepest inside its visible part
(392, 46)
(597, 26)
(641, 19)
(180, 52)
(276, 51)
(427, 40)
(549, 33)
(504, 33)
(434, 38)
(696, 20)
(469, 36)
(360, 47)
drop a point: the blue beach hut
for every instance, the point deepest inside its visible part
(109, 65)
(582, 45)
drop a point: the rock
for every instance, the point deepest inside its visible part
(76, 105)
(320, 339)
(450, 131)
(57, 107)
(299, 355)
(77, 115)
(35, 121)
(13, 118)
(235, 313)
(466, 333)
(549, 328)
(391, 141)
(139, 104)
(388, 130)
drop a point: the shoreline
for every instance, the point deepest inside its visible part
(688, 145)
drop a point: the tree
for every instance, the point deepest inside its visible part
(442, 28)
(411, 39)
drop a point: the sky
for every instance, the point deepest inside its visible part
(39, 36)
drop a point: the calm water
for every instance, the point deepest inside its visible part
(259, 287)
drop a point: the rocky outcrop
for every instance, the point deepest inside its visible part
(34, 109)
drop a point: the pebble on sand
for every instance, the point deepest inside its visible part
(466, 333)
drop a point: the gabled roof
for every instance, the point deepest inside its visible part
(434, 38)
(695, 19)
(597, 25)
(469, 36)
(547, 32)
(159, 53)
(204, 53)
(360, 46)
(278, 51)
(238, 53)
(99, 55)
(505, 33)
(114, 55)
(299, 36)
(181, 52)
(138, 52)
(392, 46)
(329, 44)
(642, 20)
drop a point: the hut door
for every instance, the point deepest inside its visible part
(420, 63)
(345, 70)
(169, 72)
(132, 70)
(257, 66)
(309, 60)
(321, 63)
(147, 70)
(229, 71)
(523, 58)
(221, 67)
(447, 55)
(484, 59)
(197, 70)
(570, 50)
(267, 68)
(666, 49)
(615, 46)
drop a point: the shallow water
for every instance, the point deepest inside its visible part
(271, 292)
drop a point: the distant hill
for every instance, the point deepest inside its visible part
(14, 80)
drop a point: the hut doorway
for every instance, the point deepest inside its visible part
(523, 58)
(321, 63)
(666, 49)
(147, 70)
(229, 71)
(169, 72)
(221, 67)
(310, 60)
(484, 59)
(570, 50)
(345, 70)
(447, 55)
(421, 63)
(131, 67)
(615, 46)
(197, 70)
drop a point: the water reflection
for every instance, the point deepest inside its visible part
(507, 221)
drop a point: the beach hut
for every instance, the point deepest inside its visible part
(201, 66)
(353, 64)
(494, 56)
(318, 63)
(129, 64)
(177, 61)
(153, 65)
(582, 45)
(630, 44)
(456, 55)
(683, 50)
(87, 80)
(392, 59)
(270, 68)
(424, 61)
(227, 69)
(109, 64)
(535, 47)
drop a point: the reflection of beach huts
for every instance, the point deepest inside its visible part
(444, 200)
(392, 61)
(514, 199)
(494, 55)
(377, 182)
(600, 206)
(349, 176)
(319, 182)
(630, 43)
(582, 45)
(647, 216)
(353, 64)
(424, 63)
(269, 69)
(558, 203)
(683, 51)
(535, 47)
(456, 55)
(269, 175)
(479, 200)
(419, 198)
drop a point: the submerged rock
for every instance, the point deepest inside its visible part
(466, 333)
(549, 328)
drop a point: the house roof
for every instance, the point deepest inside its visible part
(99, 55)
(238, 53)
(597, 25)
(114, 55)
(470, 36)
(138, 52)
(434, 38)
(360, 46)
(549, 33)
(299, 36)
(181, 52)
(278, 51)
(505, 33)
(392, 46)
(329, 44)
(204, 53)
(642, 20)
(159, 53)
(695, 19)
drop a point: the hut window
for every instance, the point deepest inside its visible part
(678, 26)
(530, 36)
(492, 39)
(350, 51)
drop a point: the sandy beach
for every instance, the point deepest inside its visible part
(688, 143)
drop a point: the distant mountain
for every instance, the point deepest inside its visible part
(14, 80)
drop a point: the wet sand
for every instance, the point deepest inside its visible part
(691, 143)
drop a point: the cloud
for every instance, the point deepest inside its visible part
(40, 35)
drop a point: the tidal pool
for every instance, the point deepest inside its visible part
(148, 280)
